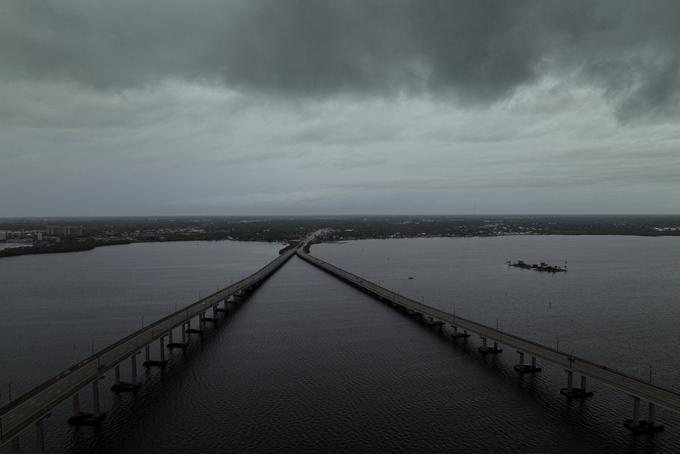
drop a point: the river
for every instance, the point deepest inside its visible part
(310, 364)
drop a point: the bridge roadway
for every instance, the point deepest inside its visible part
(635, 387)
(36, 404)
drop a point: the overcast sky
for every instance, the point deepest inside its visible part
(164, 107)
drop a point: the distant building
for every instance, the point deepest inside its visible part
(65, 230)
(3, 235)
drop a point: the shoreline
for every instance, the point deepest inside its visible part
(91, 245)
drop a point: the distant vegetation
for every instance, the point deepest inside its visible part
(57, 248)
(107, 231)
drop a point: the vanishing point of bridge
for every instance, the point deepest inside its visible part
(31, 409)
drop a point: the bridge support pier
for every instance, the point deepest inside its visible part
(456, 334)
(191, 330)
(161, 347)
(76, 404)
(209, 319)
(171, 345)
(156, 363)
(123, 386)
(485, 349)
(572, 392)
(39, 436)
(240, 296)
(222, 309)
(183, 345)
(414, 314)
(526, 368)
(80, 418)
(638, 425)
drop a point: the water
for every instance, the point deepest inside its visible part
(8, 245)
(310, 364)
(619, 303)
(55, 308)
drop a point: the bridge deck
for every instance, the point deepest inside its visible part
(34, 405)
(634, 386)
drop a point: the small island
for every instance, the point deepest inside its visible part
(543, 267)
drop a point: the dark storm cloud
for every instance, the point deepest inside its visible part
(474, 51)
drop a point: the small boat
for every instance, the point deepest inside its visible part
(410, 277)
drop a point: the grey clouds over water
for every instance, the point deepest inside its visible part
(320, 106)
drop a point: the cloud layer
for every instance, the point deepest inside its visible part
(326, 106)
(478, 52)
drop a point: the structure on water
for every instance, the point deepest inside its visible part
(542, 267)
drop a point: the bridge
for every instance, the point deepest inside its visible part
(635, 387)
(30, 409)
(34, 406)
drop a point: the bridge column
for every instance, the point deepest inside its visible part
(156, 363)
(76, 404)
(40, 436)
(171, 345)
(184, 333)
(132, 385)
(209, 319)
(570, 381)
(133, 369)
(526, 368)
(161, 344)
(80, 418)
(95, 397)
(221, 309)
(198, 330)
(456, 334)
(214, 309)
(638, 425)
(572, 392)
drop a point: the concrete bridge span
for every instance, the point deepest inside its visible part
(32, 407)
(636, 387)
